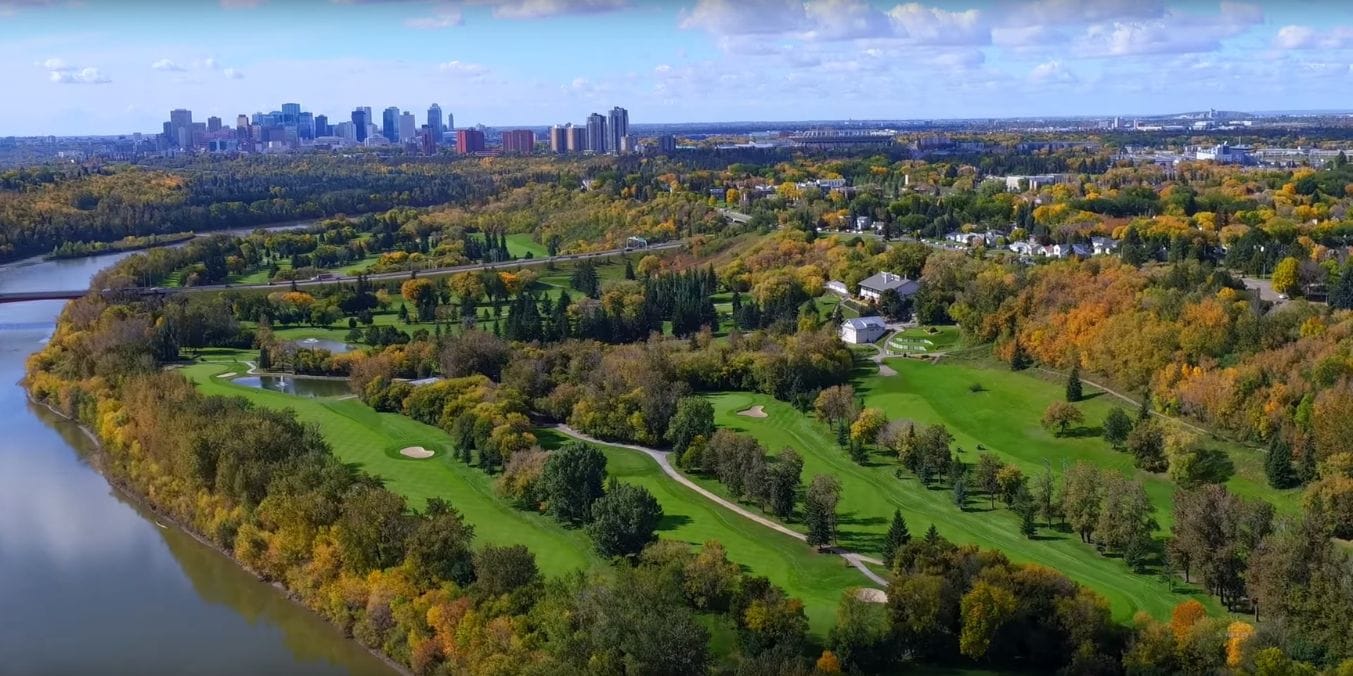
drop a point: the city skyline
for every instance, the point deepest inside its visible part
(98, 67)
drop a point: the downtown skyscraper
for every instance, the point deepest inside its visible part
(435, 119)
(618, 130)
(596, 134)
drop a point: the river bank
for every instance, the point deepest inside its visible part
(129, 492)
(90, 576)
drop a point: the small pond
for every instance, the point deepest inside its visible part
(333, 346)
(301, 387)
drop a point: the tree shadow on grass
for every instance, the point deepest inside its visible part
(1215, 466)
(1083, 432)
(860, 541)
(1043, 536)
(673, 521)
(1092, 395)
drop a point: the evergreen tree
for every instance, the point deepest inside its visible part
(264, 358)
(897, 538)
(1024, 506)
(559, 324)
(404, 313)
(1278, 464)
(932, 535)
(1074, 392)
(1306, 471)
(1019, 360)
(1144, 412)
(960, 496)
(629, 270)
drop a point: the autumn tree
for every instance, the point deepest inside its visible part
(1081, 497)
(1059, 416)
(1125, 523)
(1287, 276)
(422, 294)
(986, 474)
(836, 404)
(1146, 443)
(867, 425)
(985, 609)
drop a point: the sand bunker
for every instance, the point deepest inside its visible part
(416, 452)
(754, 412)
(871, 595)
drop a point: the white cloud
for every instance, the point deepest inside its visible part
(166, 64)
(54, 64)
(540, 9)
(844, 19)
(233, 74)
(745, 17)
(463, 69)
(446, 18)
(1175, 33)
(938, 26)
(1306, 37)
(1078, 12)
(89, 75)
(1051, 71)
(12, 7)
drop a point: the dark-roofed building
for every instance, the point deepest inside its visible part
(873, 288)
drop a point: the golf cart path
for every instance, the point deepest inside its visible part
(855, 559)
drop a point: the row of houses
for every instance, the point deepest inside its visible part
(1098, 246)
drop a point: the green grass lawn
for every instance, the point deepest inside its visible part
(521, 244)
(372, 440)
(871, 493)
(1004, 418)
(924, 339)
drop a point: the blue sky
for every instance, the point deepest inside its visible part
(114, 66)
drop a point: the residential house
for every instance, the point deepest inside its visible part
(1103, 246)
(863, 330)
(873, 288)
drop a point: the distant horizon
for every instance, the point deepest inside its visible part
(110, 67)
(1126, 117)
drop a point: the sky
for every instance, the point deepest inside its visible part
(118, 66)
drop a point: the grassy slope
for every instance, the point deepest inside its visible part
(1005, 419)
(370, 439)
(871, 493)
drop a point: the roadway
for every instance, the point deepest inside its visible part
(66, 294)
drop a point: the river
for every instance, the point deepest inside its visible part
(92, 583)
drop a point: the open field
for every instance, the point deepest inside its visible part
(871, 492)
(374, 441)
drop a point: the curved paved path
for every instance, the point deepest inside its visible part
(660, 457)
